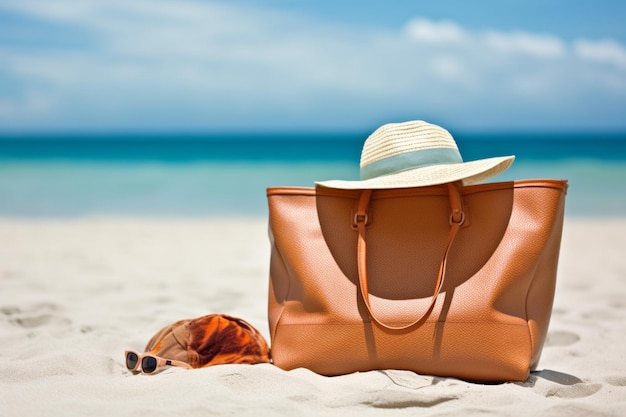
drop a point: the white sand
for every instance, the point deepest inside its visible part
(74, 294)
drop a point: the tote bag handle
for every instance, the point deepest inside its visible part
(457, 217)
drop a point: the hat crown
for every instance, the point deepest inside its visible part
(396, 147)
(396, 138)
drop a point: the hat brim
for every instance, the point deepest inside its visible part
(470, 172)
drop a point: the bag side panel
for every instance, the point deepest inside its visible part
(305, 280)
(542, 289)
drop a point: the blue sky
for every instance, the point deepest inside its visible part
(172, 65)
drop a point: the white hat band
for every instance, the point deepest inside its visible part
(409, 160)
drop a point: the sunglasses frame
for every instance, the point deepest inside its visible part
(160, 363)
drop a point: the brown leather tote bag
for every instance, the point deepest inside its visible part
(442, 280)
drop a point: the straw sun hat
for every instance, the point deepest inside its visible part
(416, 154)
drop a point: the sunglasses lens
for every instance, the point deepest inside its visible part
(148, 364)
(131, 360)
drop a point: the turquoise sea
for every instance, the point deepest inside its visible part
(205, 175)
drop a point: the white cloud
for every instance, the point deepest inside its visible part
(448, 66)
(193, 63)
(543, 46)
(31, 103)
(606, 50)
(423, 30)
(516, 42)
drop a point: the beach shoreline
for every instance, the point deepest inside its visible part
(76, 292)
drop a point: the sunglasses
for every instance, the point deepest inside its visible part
(148, 364)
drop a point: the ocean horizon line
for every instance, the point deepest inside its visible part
(306, 146)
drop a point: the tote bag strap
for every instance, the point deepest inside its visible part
(457, 217)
